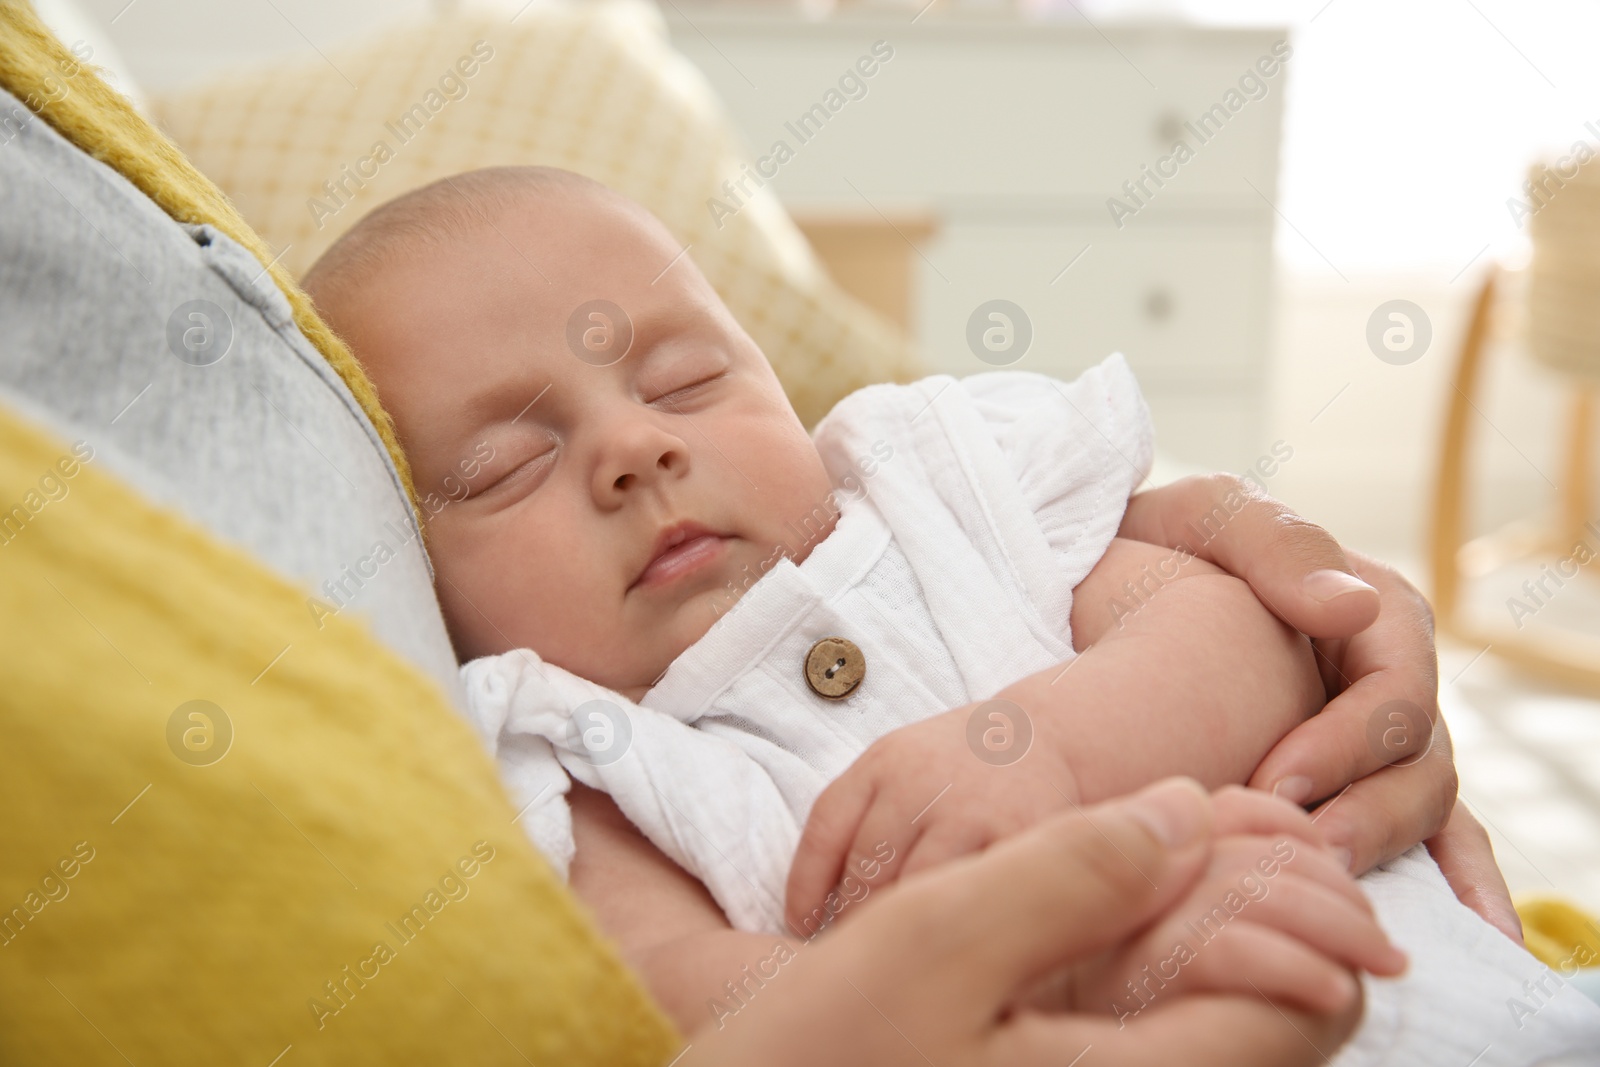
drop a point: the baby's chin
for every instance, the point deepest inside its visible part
(691, 622)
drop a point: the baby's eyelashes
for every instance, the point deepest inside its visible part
(523, 475)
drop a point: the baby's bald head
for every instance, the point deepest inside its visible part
(567, 385)
(428, 217)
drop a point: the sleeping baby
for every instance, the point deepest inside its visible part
(806, 664)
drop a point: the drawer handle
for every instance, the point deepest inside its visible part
(1169, 129)
(1158, 305)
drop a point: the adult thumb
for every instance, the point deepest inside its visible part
(1069, 887)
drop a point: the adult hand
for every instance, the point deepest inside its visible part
(1297, 924)
(937, 962)
(1386, 783)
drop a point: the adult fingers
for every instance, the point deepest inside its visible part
(1386, 711)
(1386, 813)
(1466, 857)
(1295, 567)
(1198, 1031)
(1071, 886)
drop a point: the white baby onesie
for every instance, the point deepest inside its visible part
(969, 510)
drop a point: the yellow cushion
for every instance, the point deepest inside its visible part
(1559, 933)
(159, 905)
(184, 908)
(306, 147)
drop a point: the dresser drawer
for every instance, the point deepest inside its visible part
(1186, 305)
(977, 113)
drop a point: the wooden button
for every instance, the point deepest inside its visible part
(834, 667)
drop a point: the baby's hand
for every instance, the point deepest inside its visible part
(919, 797)
(1274, 915)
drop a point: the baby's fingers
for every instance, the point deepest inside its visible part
(941, 843)
(1324, 921)
(1251, 811)
(824, 845)
(875, 857)
(1251, 862)
(1260, 961)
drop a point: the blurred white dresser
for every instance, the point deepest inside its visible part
(1014, 134)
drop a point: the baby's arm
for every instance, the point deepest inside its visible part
(1188, 674)
(670, 931)
(663, 920)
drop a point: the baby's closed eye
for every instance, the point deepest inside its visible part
(517, 468)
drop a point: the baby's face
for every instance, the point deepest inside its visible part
(562, 477)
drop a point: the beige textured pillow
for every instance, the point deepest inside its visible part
(306, 148)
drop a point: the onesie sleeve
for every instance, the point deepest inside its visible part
(506, 696)
(699, 798)
(1078, 449)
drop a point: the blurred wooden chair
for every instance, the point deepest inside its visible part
(1548, 310)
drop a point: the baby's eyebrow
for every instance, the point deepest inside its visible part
(492, 403)
(649, 329)
(489, 406)
(532, 402)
